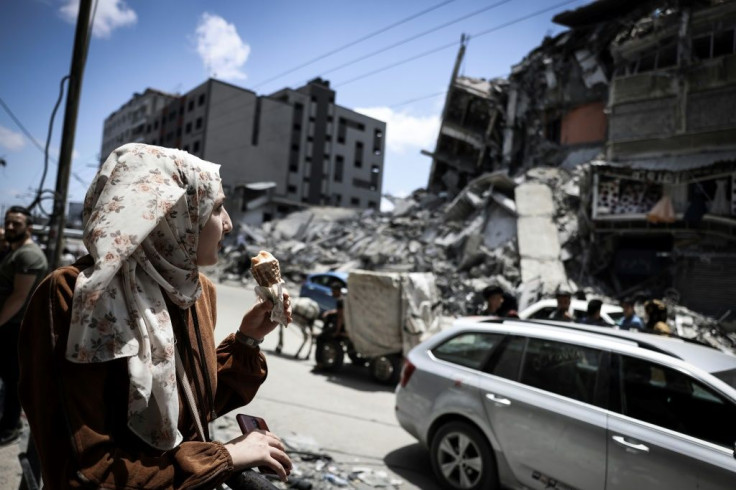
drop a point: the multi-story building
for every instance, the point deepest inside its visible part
(134, 120)
(278, 152)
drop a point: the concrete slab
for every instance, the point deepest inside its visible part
(551, 272)
(538, 238)
(534, 200)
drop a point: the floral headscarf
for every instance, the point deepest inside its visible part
(143, 214)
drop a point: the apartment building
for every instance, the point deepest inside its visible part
(133, 121)
(278, 152)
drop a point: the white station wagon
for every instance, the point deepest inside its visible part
(516, 404)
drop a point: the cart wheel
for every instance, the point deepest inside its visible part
(329, 354)
(357, 359)
(386, 369)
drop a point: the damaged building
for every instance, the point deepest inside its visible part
(641, 96)
(662, 200)
(471, 134)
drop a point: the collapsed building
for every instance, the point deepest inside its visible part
(640, 96)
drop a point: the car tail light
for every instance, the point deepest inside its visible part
(406, 371)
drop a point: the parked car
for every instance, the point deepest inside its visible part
(514, 404)
(319, 288)
(543, 309)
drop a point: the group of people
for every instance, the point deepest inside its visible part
(503, 304)
(655, 310)
(117, 371)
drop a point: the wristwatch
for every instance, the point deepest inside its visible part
(247, 340)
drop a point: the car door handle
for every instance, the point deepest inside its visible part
(497, 399)
(622, 441)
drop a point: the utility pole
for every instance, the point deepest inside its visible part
(79, 57)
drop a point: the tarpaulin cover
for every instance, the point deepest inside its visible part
(390, 312)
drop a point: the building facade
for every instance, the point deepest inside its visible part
(133, 122)
(279, 152)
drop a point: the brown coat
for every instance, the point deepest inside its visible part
(82, 437)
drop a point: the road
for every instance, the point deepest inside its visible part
(344, 414)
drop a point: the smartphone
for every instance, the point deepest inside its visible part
(249, 423)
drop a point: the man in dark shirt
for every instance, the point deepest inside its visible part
(594, 314)
(20, 272)
(562, 313)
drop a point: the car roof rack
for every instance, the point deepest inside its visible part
(612, 333)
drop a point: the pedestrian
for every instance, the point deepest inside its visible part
(630, 320)
(656, 312)
(493, 296)
(116, 343)
(562, 311)
(20, 271)
(593, 316)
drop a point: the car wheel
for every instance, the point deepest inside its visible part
(386, 369)
(462, 458)
(329, 354)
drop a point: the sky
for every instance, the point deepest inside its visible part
(389, 59)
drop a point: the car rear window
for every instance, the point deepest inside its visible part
(470, 349)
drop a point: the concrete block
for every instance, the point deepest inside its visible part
(538, 238)
(534, 200)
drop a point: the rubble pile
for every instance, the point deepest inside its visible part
(468, 242)
(423, 233)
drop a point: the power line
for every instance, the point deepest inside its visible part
(416, 36)
(352, 43)
(20, 125)
(445, 46)
(417, 99)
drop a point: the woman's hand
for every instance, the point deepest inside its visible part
(257, 321)
(260, 448)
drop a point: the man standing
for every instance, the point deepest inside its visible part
(20, 271)
(494, 299)
(594, 314)
(630, 320)
(562, 312)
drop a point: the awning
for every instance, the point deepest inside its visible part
(673, 163)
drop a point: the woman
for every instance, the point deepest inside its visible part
(105, 401)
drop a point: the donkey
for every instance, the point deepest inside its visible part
(304, 312)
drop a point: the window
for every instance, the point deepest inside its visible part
(172, 116)
(190, 106)
(358, 154)
(291, 189)
(355, 201)
(723, 43)
(196, 147)
(188, 128)
(668, 398)
(470, 349)
(201, 99)
(507, 360)
(339, 167)
(198, 124)
(565, 369)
